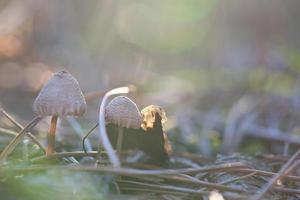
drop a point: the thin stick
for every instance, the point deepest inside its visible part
(25, 141)
(287, 190)
(11, 119)
(13, 143)
(272, 157)
(187, 180)
(8, 132)
(102, 129)
(173, 188)
(65, 154)
(276, 177)
(87, 135)
(120, 140)
(20, 126)
(263, 173)
(237, 178)
(119, 171)
(162, 191)
(223, 167)
(51, 136)
(291, 168)
(279, 189)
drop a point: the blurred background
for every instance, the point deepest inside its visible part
(225, 71)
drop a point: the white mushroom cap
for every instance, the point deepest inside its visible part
(148, 115)
(123, 112)
(60, 96)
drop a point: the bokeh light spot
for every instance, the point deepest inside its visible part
(36, 75)
(11, 75)
(10, 46)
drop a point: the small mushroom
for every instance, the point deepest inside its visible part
(156, 143)
(148, 114)
(61, 96)
(124, 113)
(146, 135)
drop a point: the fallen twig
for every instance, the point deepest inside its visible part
(271, 157)
(264, 173)
(120, 171)
(65, 154)
(276, 177)
(178, 189)
(11, 146)
(196, 182)
(237, 178)
(287, 190)
(8, 132)
(20, 126)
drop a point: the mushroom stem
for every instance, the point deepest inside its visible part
(13, 143)
(120, 140)
(87, 135)
(51, 136)
(102, 129)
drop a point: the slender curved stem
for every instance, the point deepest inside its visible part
(51, 136)
(87, 135)
(79, 131)
(13, 143)
(114, 159)
(16, 123)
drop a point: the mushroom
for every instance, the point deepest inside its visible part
(145, 131)
(155, 141)
(61, 96)
(148, 114)
(124, 113)
(102, 128)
